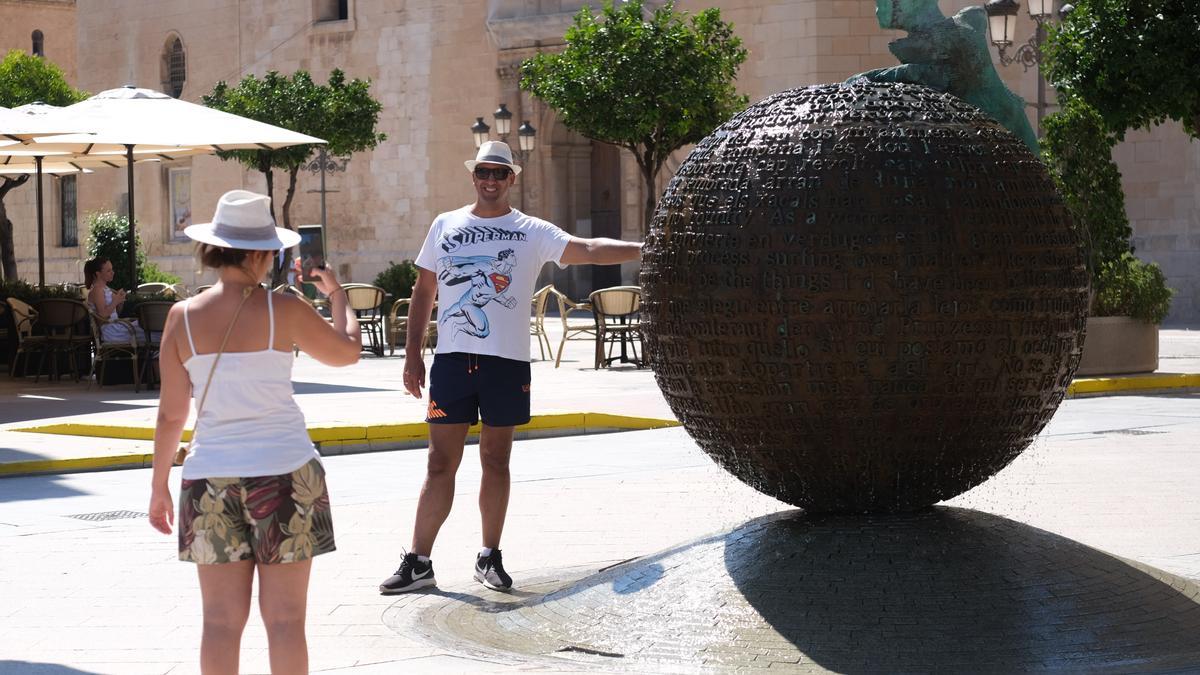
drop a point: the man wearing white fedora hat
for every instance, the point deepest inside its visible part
(481, 262)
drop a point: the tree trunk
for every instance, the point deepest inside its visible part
(287, 201)
(648, 175)
(8, 253)
(271, 189)
(282, 263)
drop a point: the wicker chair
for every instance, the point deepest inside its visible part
(367, 302)
(398, 326)
(617, 313)
(64, 323)
(152, 317)
(571, 330)
(124, 349)
(537, 322)
(153, 288)
(24, 319)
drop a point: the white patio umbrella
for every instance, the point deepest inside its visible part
(136, 118)
(17, 128)
(82, 148)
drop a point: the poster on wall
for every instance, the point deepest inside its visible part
(180, 182)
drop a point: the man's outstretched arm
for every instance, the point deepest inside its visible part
(600, 251)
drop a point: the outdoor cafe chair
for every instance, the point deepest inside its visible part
(200, 289)
(617, 313)
(398, 326)
(152, 317)
(576, 330)
(367, 302)
(24, 319)
(153, 288)
(125, 348)
(64, 323)
(292, 290)
(537, 322)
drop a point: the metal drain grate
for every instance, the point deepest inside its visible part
(108, 515)
(1129, 432)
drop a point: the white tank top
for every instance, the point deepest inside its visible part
(250, 425)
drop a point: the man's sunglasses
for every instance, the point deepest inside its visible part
(484, 173)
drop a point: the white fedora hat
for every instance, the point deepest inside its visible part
(243, 220)
(493, 152)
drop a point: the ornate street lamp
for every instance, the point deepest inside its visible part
(503, 120)
(480, 130)
(526, 134)
(324, 164)
(1002, 21)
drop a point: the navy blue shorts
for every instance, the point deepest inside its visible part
(465, 387)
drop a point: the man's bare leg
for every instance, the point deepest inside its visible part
(495, 448)
(437, 494)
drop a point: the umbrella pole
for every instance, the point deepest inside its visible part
(133, 277)
(41, 229)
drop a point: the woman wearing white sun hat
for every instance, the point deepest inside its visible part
(253, 495)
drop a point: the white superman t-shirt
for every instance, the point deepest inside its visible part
(486, 269)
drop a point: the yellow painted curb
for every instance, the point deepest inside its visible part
(79, 464)
(381, 433)
(1109, 385)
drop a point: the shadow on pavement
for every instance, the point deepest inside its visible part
(31, 668)
(29, 488)
(321, 388)
(955, 588)
(945, 590)
(23, 409)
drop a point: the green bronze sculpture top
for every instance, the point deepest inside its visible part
(950, 55)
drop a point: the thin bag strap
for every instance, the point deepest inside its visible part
(228, 331)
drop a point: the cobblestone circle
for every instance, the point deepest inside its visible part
(946, 590)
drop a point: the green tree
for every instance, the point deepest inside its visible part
(1128, 59)
(1118, 65)
(26, 79)
(108, 236)
(341, 112)
(649, 85)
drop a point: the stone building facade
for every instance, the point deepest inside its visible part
(437, 65)
(45, 27)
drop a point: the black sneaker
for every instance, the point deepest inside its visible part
(413, 574)
(489, 571)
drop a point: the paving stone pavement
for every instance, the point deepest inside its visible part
(1118, 474)
(952, 590)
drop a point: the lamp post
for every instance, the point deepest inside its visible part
(324, 164)
(1002, 21)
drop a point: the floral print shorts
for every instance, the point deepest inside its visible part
(269, 519)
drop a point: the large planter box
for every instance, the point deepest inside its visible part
(1117, 345)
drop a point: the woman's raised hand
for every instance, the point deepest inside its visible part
(327, 281)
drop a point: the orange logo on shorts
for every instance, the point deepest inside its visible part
(434, 412)
(525, 388)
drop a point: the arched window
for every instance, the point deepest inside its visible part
(39, 43)
(174, 67)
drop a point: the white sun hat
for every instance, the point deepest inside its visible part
(493, 152)
(243, 220)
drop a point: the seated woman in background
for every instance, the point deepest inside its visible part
(106, 302)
